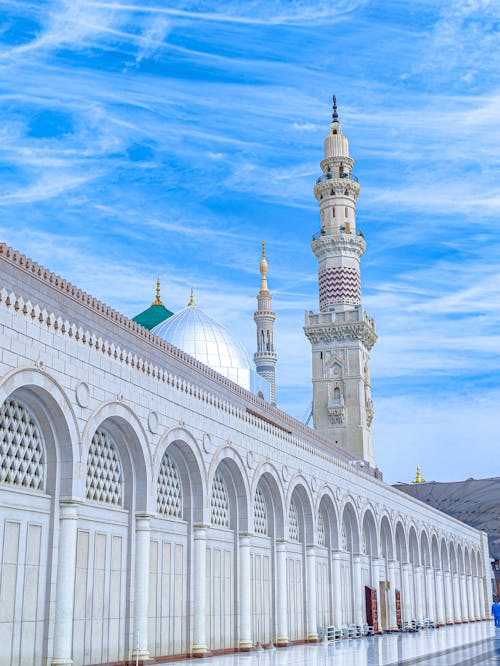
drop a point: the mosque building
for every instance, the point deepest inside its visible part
(154, 500)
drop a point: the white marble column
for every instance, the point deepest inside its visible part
(337, 593)
(406, 607)
(378, 574)
(141, 603)
(448, 594)
(199, 647)
(475, 592)
(431, 593)
(470, 598)
(440, 614)
(65, 585)
(419, 589)
(281, 606)
(463, 599)
(482, 605)
(457, 603)
(245, 592)
(312, 622)
(358, 596)
(391, 600)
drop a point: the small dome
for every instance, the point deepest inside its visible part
(208, 341)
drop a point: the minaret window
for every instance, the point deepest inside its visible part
(346, 211)
(336, 393)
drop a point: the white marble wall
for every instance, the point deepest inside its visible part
(90, 575)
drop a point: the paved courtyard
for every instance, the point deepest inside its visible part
(476, 644)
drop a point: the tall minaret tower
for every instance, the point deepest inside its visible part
(341, 334)
(265, 357)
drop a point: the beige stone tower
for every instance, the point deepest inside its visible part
(265, 357)
(341, 334)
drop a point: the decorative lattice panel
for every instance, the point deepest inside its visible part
(321, 529)
(169, 499)
(260, 512)
(293, 522)
(219, 502)
(104, 470)
(22, 453)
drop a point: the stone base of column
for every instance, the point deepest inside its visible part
(282, 641)
(199, 651)
(245, 645)
(61, 662)
(312, 638)
(440, 624)
(142, 656)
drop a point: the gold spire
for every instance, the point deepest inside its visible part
(157, 300)
(191, 298)
(418, 478)
(263, 270)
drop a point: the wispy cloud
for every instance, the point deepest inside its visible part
(142, 139)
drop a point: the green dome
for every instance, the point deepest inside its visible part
(155, 314)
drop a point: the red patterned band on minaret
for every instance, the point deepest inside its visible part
(337, 285)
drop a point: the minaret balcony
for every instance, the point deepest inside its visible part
(336, 187)
(323, 245)
(340, 326)
(343, 176)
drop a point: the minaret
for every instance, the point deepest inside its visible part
(341, 334)
(265, 357)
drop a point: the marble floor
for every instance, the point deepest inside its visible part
(476, 644)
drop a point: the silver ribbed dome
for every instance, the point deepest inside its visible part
(208, 341)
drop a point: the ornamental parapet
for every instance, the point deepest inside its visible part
(340, 327)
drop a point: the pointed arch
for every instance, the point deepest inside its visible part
(130, 438)
(228, 463)
(182, 447)
(386, 538)
(48, 401)
(369, 538)
(327, 506)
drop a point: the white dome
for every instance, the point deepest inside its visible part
(208, 341)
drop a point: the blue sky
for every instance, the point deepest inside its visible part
(148, 138)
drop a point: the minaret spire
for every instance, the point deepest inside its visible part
(335, 115)
(263, 270)
(265, 357)
(341, 334)
(191, 298)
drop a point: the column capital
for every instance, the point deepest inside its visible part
(245, 535)
(68, 509)
(143, 522)
(199, 531)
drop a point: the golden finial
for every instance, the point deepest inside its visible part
(157, 300)
(418, 478)
(263, 269)
(191, 298)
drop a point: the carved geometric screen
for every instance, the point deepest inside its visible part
(321, 529)
(169, 499)
(293, 522)
(260, 512)
(219, 502)
(22, 454)
(104, 470)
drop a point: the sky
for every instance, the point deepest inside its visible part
(143, 138)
